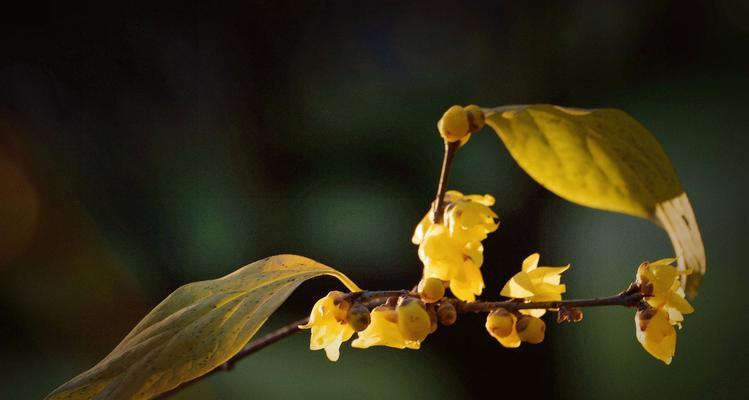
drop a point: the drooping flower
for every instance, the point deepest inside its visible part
(469, 218)
(534, 283)
(451, 250)
(510, 330)
(414, 322)
(328, 324)
(660, 280)
(501, 325)
(383, 331)
(656, 333)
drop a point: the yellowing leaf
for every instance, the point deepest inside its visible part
(195, 329)
(603, 159)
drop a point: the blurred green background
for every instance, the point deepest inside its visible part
(143, 150)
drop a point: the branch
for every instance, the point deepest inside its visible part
(439, 202)
(626, 299)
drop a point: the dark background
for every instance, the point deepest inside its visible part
(143, 150)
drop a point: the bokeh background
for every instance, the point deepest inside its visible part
(143, 150)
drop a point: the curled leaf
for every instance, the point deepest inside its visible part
(195, 329)
(603, 159)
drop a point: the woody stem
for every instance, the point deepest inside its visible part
(439, 202)
(626, 299)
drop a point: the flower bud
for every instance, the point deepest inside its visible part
(569, 314)
(576, 314)
(656, 333)
(358, 317)
(447, 314)
(453, 125)
(499, 323)
(413, 319)
(431, 290)
(531, 329)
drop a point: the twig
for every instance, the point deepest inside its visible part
(367, 295)
(266, 341)
(439, 202)
(624, 299)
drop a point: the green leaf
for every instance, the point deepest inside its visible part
(607, 160)
(195, 329)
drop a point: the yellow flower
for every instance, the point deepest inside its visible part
(534, 283)
(469, 217)
(666, 290)
(383, 331)
(511, 331)
(453, 261)
(451, 250)
(458, 123)
(502, 326)
(656, 333)
(328, 324)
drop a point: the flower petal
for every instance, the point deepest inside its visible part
(531, 262)
(518, 287)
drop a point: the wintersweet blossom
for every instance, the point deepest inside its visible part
(502, 325)
(655, 331)
(660, 280)
(451, 250)
(383, 331)
(534, 283)
(328, 324)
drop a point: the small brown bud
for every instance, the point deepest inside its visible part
(358, 317)
(447, 314)
(569, 314)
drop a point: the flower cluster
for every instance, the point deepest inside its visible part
(328, 324)
(334, 320)
(511, 329)
(532, 283)
(457, 124)
(451, 249)
(450, 239)
(664, 308)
